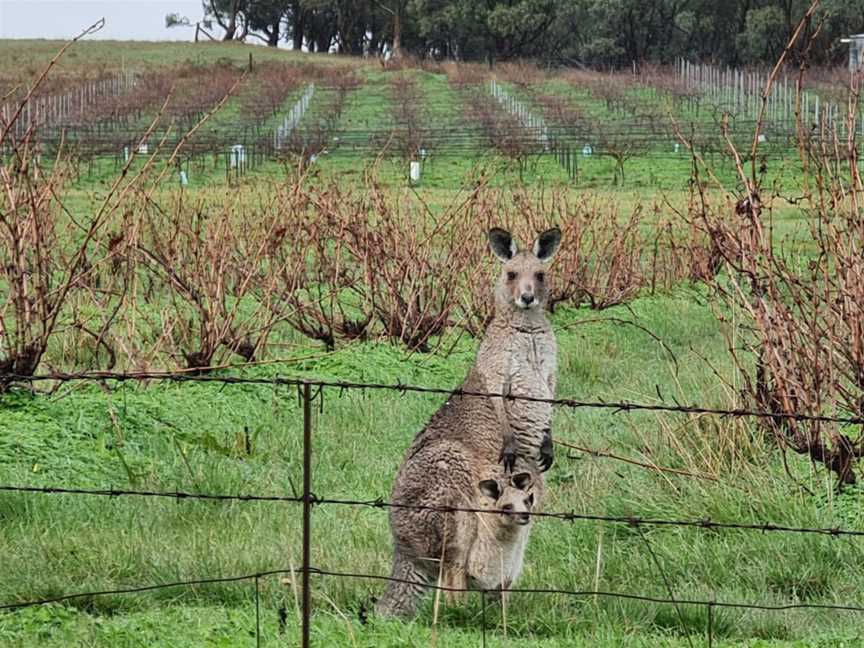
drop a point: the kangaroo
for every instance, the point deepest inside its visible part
(491, 546)
(470, 434)
(458, 548)
(518, 353)
(497, 552)
(518, 356)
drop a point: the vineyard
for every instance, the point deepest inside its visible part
(584, 128)
(186, 249)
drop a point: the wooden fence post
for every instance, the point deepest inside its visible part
(307, 510)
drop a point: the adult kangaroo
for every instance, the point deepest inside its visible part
(470, 436)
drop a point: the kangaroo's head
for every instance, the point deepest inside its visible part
(513, 497)
(522, 284)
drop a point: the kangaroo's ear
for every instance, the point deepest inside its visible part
(547, 244)
(489, 487)
(522, 481)
(502, 244)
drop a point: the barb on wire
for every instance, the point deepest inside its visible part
(574, 403)
(635, 521)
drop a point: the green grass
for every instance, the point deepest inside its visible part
(192, 437)
(27, 57)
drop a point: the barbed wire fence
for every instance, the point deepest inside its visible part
(309, 499)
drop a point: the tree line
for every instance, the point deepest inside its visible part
(594, 33)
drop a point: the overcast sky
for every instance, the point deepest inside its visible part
(124, 19)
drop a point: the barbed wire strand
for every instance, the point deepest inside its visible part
(141, 588)
(705, 523)
(574, 403)
(316, 571)
(603, 593)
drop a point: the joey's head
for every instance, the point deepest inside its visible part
(514, 498)
(522, 284)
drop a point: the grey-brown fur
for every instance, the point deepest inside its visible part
(469, 436)
(497, 552)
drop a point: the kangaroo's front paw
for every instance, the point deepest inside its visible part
(547, 452)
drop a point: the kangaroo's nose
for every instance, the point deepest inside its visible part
(527, 298)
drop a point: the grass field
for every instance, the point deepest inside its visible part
(668, 344)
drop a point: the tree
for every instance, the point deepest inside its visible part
(296, 19)
(501, 29)
(517, 29)
(597, 33)
(765, 35)
(176, 20)
(397, 10)
(228, 14)
(341, 21)
(449, 28)
(267, 16)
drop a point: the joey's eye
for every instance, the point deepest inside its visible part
(507, 507)
(540, 276)
(511, 276)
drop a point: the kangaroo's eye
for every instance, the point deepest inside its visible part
(507, 507)
(540, 276)
(511, 276)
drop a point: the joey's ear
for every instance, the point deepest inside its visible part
(547, 244)
(489, 487)
(522, 481)
(502, 244)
